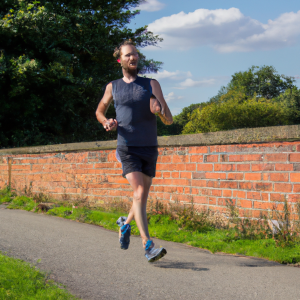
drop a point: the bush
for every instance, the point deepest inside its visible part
(235, 110)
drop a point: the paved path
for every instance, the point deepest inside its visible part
(88, 260)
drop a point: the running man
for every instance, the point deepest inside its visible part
(136, 100)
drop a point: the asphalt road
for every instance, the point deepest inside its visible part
(88, 260)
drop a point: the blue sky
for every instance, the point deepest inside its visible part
(205, 42)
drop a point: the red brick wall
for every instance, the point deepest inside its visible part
(254, 176)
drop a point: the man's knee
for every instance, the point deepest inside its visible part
(138, 196)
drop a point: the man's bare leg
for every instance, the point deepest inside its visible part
(140, 184)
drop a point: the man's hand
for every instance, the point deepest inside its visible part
(110, 125)
(155, 106)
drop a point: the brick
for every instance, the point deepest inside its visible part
(244, 203)
(282, 187)
(200, 199)
(243, 167)
(279, 177)
(254, 195)
(158, 181)
(180, 159)
(217, 193)
(215, 175)
(198, 175)
(261, 186)
(187, 190)
(296, 167)
(224, 167)
(175, 174)
(211, 158)
(184, 198)
(212, 200)
(206, 192)
(213, 183)
(266, 176)
(184, 182)
(179, 189)
(227, 193)
(104, 165)
(235, 176)
(195, 191)
(187, 175)
(245, 185)
(294, 198)
(284, 167)
(249, 157)
(165, 159)
(239, 194)
(262, 167)
(252, 176)
(229, 184)
(177, 167)
(204, 167)
(277, 197)
(294, 157)
(261, 205)
(223, 201)
(193, 150)
(296, 188)
(224, 158)
(191, 167)
(164, 174)
(196, 158)
(295, 177)
(280, 157)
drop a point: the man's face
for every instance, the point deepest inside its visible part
(129, 58)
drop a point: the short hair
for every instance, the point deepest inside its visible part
(117, 52)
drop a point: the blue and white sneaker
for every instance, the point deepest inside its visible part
(121, 221)
(154, 254)
(125, 236)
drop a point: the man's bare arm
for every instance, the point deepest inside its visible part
(165, 114)
(103, 107)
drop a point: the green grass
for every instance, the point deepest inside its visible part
(21, 281)
(167, 228)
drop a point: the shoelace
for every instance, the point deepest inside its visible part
(148, 245)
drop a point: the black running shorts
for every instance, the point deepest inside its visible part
(138, 159)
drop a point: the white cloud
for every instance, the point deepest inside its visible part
(151, 5)
(166, 75)
(171, 97)
(192, 83)
(226, 30)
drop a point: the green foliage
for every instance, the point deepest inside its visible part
(22, 202)
(6, 195)
(236, 111)
(19, 280)
(55, 60)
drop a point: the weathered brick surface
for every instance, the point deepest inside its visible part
(256, 177)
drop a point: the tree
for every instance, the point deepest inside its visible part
(55, 60)
(264, 81)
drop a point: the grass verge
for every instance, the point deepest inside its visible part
(19, 280)
(204, 229)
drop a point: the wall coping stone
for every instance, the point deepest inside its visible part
(238, 136)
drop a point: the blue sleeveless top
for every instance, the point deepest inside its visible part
(136, 123)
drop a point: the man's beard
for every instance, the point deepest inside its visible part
(132, 72)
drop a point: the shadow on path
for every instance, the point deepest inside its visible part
(167, 264)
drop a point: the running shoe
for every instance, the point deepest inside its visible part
(121, 221)
(125, 236)
(153, 254)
